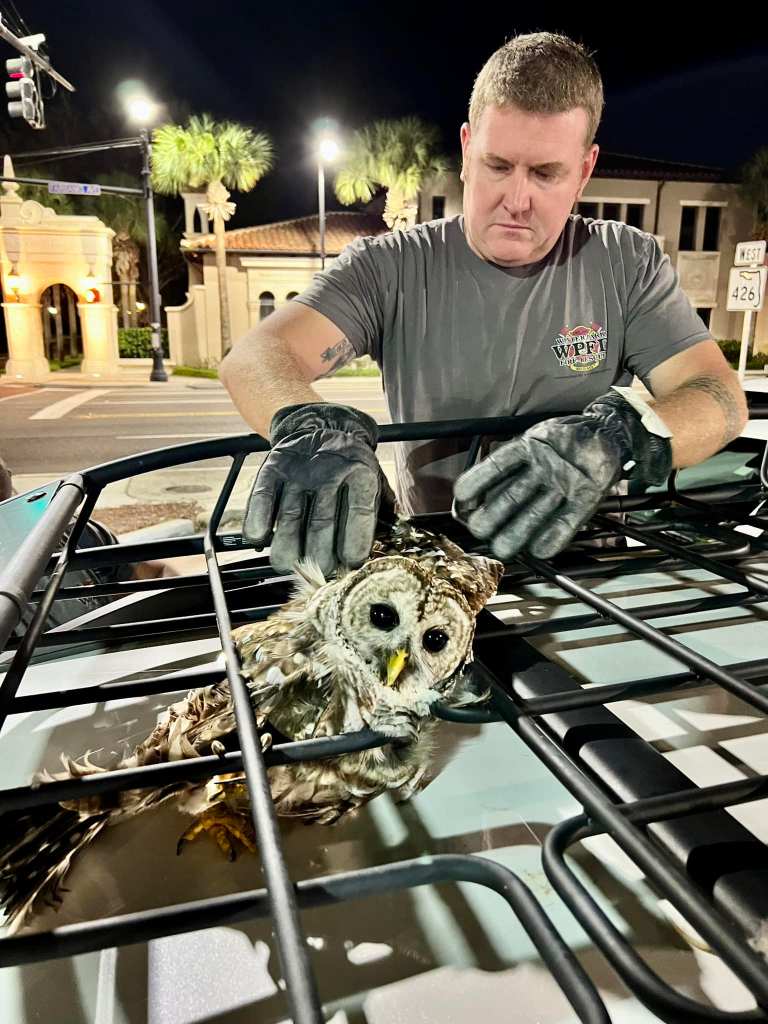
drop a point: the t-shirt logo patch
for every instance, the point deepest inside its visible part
(581, 349)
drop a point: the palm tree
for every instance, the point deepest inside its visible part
(217, 156)
(395, 155)
(127, 218)
(754, 190)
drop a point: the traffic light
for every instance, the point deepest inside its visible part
(22, 91)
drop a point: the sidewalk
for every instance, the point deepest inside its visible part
(128, 375)
(187, 492)
(131, 379)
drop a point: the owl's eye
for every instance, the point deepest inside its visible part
(384, 616)
(434, 640)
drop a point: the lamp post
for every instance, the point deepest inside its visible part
(142, 110)
(327, 150)
(158, 369)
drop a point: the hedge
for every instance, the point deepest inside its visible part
(136, 342)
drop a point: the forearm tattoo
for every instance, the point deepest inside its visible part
(722, 394)
(337, 355)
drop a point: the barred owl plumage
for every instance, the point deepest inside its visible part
(373, 648)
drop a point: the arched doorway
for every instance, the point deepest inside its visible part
(62, 332)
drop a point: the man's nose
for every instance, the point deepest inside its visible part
(517, 195)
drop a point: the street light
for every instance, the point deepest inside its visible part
(326, 151)
(141, 110)
(137, 103)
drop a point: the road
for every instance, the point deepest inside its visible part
(49, 432)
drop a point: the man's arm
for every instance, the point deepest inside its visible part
(273, 365)
(700, 399)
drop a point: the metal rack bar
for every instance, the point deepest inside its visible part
(702, 666)
(656, 994)
(72, 940)
(301, 987)
(710, 922)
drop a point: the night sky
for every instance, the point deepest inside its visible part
(672, 93)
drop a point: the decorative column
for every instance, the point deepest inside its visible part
(98, 321)
(26, 350)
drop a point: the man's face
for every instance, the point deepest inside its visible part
(522, 174)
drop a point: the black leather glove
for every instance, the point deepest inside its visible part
(535, 492)
(317, 493)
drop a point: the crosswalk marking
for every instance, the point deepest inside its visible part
(59, 409)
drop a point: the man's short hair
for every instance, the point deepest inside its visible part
(541, 73)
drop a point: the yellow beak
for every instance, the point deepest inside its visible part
(395, 665)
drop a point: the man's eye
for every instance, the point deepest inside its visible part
(545, 175)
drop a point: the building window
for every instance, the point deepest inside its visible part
(711, 229)
(688, 229)
(291, 295)
(705, 312)
(700, 227)
(588, 210)
(627, 211)
(438, 207)
(635, 215)
(266, 304)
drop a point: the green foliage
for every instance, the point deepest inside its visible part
(136, 342)
(204, 151)
(196, 371)
(754, 190)
(397, 155)
(65, 363)
(358, 371)
(212, 373)
(731, 349)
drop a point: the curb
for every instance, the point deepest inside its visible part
(159, 531)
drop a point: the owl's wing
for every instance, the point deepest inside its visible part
(188, 727)
(274, 662)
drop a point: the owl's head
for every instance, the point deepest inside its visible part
(401, 626)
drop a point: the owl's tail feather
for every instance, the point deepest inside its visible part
(37, 848)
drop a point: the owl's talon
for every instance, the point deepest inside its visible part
(224, 827)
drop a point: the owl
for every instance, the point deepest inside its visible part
(373, 648)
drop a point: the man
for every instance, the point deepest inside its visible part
(516, 307)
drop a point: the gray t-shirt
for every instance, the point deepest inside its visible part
(458, 337)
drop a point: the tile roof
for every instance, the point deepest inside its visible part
(624, 165)
(297, 237)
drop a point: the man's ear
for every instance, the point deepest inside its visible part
(587, 167)
(465, 135)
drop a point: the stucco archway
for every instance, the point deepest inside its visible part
(38, 248)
